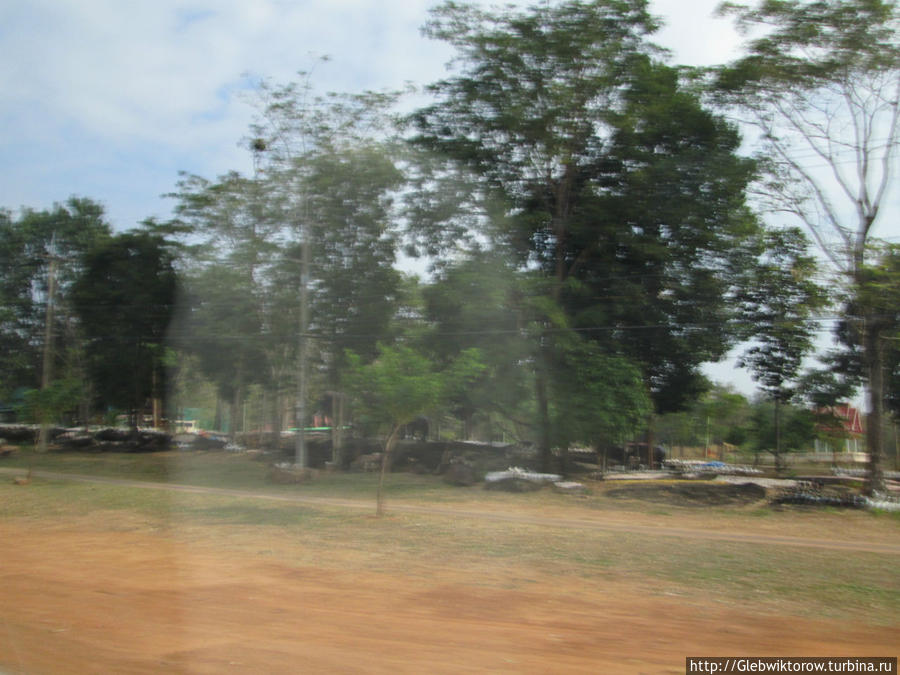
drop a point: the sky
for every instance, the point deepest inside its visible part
(111, 100)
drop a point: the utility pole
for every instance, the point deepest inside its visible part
(47, 366)
(896, 448)
(300, 453)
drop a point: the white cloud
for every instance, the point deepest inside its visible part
(110, 99)
(134, 91)
(696, 36)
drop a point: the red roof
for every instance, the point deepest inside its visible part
(847, 415)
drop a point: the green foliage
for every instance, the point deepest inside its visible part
(28, 241)
(812, 42)
(721, 415)
(797, 429)
(224, 328)
(51, 404)
(588, 158)
(476, 303)
(353, 243)
(316, 215)
(599, 399)
(228, 276)
(402, 384)
(125, 300)
(779, 303)
(874, 308)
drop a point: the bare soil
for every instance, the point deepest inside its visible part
(119, 594)
(692, 494)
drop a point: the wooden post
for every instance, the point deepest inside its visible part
(47, 368)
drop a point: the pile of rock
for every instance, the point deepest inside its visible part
(460, 472)
(862, 473)
(289, 474)
(114, 439)
(804, 496)
(204, 441)
(516, 479)
(695, 467)
(367, 463)
(24, 433)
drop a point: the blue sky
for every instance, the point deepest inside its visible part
(110, 100)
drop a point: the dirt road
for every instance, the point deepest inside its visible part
(120, 594)
(601, 524)
(85, 600)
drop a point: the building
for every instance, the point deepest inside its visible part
(841, 433)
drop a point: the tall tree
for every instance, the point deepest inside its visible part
(797, 429)
(229, 278)
(307, 245)
(821, 83)
(589, 157)
(779, 303)
(328, 160)
(353, 243)
(600, 399)
(402, 384)
(879, 298)
(125, 300)
(31, 243)
(477, 303)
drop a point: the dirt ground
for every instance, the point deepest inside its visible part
(691, 494)
(88, 597)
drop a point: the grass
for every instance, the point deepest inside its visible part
(809, 582)
(795, 580)
(234, 471)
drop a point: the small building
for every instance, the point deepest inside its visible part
(841, 433)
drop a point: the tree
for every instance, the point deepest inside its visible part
(477, 303)
(327, 164)
(30, 244)
(588, 157)
(223, 329)
(797, 429)
(724, 414)
(230, 286)
(125, 299)
(353, 243)
(306, 245)
(400, 385)
(821, 84)
(599, 398)
(778, 303)
(879, 298)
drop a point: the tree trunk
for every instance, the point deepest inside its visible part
(777, 430)
(873, 359)
(217, 419)
(602, 452)
(277, 419)
(156, 398)
(385, 461)
(540, 383)
(337, 422)
(651, 439)
(467, 425)
(261, 420)
(235, 408)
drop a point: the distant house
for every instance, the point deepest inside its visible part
(840, 431)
